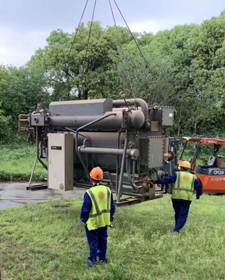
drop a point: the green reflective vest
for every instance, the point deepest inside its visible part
(101, 206)
(184, 186)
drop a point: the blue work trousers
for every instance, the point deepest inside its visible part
(181, 208)
(97, 240)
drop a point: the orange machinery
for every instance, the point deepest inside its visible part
(212, 175)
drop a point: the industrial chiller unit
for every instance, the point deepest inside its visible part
(126, 138)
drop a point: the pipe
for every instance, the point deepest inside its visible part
(37, 143)
(140, 102)
(134, 153)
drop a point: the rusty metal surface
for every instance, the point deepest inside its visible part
(23, 119)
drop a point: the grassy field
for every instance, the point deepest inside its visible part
(47, 241)
(16, 162)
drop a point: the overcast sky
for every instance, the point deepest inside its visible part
(25, 24)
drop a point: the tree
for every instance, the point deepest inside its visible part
(25, 88)
(80, 72)
(5, 126)
(152, 81)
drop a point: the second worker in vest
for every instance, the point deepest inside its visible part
(97, 213)
(186, 185)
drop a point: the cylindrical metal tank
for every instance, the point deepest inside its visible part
(135, 119)
(104, 140)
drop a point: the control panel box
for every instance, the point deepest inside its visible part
(60, 161)
(37, 119)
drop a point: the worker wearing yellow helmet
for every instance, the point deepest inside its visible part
(186, 185)
(185, 165)
(97, 213)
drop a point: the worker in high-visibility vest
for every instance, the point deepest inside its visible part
(186, 185)
(97, 213)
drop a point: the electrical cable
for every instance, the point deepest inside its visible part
(89, 35)
(138, 47)
(131, 33)
(120, 44)
(118, 36)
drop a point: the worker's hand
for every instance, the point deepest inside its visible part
(112, 219)
(197, 197)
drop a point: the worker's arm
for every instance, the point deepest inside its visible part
(198, 188)
(113, 208)
(167, 180)
(86, 208)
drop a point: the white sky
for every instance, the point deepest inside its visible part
(25, 24)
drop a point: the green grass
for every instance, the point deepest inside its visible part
(16, 163)
(45, 242)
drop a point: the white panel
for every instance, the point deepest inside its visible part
(155, 153)
(60, 161)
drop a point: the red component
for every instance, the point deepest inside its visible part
(213, 141)
(214, 181)
(212, 184)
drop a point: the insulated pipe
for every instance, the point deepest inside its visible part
(134, 153)
(140, 102)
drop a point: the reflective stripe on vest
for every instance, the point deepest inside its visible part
(96, 204)
(183, 189)
(101, 207)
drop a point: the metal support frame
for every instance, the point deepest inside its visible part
(197, 151)
(182, 153)
(23, 119)
(35, 164)
(131, 174)
(119, 191)
(32, 173)
(118, 162)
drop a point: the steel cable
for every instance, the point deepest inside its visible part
(121, 47)
(78, 28)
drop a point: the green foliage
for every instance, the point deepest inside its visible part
(152, 82)
(48, 241)
(185, 68)
(5, 123)
(80, 73)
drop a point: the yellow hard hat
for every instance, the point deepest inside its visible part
(185, 164)
(96, 174)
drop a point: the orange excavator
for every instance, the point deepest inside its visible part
(212, 175)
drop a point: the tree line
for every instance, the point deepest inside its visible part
(184, 67)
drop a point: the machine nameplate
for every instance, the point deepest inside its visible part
(56, 148)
